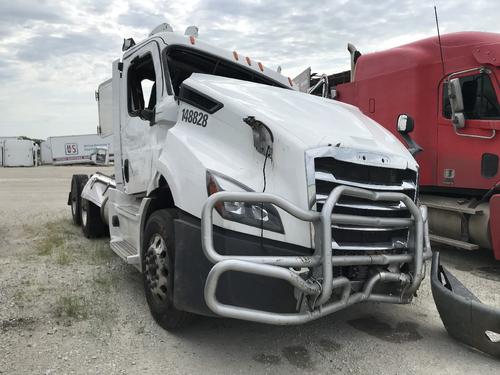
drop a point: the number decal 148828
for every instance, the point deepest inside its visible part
(194, 117)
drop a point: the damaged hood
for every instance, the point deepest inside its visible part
(307, 120)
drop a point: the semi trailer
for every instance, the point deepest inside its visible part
(79, 149)
(18, 152)
(445, 91)
(236, 195)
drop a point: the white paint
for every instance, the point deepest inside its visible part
(77, 149)
(182, 152)
(18, 153)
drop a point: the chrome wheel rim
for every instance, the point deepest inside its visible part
(156, 269)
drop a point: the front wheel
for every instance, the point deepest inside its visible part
(157, 256)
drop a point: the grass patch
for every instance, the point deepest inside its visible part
(72, 306)
(51, 236)
(103, 282)
(100, 253)
(63, 258)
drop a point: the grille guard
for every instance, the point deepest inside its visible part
(318, 292)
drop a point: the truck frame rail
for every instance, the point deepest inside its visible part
(320, 299)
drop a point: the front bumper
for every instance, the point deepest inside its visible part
(463, 315)
(317, 292)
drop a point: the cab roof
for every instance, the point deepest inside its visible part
(172, 38)
(460, 51)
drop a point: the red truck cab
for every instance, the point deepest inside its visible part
(459, 166)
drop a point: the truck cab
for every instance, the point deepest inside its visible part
(460, 143)
(236, 195)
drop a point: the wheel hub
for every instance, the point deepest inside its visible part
(157, 267)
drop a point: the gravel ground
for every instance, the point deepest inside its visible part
(69, 305)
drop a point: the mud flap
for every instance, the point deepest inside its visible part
(463, 315)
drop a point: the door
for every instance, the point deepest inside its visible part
(469, 157)
(142, 83)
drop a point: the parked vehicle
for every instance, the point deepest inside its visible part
(18, 153)
(238, 196)
(457, 133)
(77, 149)
(444, 92)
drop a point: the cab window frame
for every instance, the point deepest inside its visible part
(477, 114)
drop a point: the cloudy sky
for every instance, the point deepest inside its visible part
(54, 53)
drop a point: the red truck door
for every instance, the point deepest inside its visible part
(469, 157)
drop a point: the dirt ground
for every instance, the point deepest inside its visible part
(69, 305)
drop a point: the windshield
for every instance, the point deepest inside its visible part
(182, 62)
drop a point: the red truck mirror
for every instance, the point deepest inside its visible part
(456, 103)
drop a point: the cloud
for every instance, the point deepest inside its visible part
(39, 48)
(54, 53)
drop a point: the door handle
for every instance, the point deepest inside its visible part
(125, 170)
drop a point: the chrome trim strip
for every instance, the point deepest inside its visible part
(328, 177)
(321, 198)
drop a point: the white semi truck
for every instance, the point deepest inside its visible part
(238, 196)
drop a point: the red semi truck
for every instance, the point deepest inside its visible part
(458, 135)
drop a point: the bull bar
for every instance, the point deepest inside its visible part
(318, 291)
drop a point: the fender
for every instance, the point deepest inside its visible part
(463, 315)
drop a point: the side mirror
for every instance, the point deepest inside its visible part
(147, 115)
(405, 124)
(456, 103)
(167, 111)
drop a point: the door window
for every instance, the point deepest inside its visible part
(480, 100)
(141, 85)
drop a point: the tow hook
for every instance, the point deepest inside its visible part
(464, 316)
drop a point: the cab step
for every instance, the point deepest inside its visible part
(126, 251)
(455, 243)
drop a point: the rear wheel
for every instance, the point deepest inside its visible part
(78, 181)
(158, 252)
(90, 217)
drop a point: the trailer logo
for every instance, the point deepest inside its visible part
(71, 149)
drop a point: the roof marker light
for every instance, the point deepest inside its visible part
(261, 67)
(248, 61)
(192, 39)
(235, 55)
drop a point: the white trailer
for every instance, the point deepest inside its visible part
(46, 152)
(223, 168)
(78, 149)
(18, 153)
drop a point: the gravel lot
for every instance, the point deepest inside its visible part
(69, 305)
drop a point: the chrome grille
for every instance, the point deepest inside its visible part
(330, 173)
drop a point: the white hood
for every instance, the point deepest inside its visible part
(313, 121)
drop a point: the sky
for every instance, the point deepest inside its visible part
(54, 53)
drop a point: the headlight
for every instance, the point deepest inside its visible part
(260, 215)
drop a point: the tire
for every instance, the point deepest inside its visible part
(92, 224)
(78, 181)
(158, 259)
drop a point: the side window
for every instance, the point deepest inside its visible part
(480, 100)
(141, 85)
